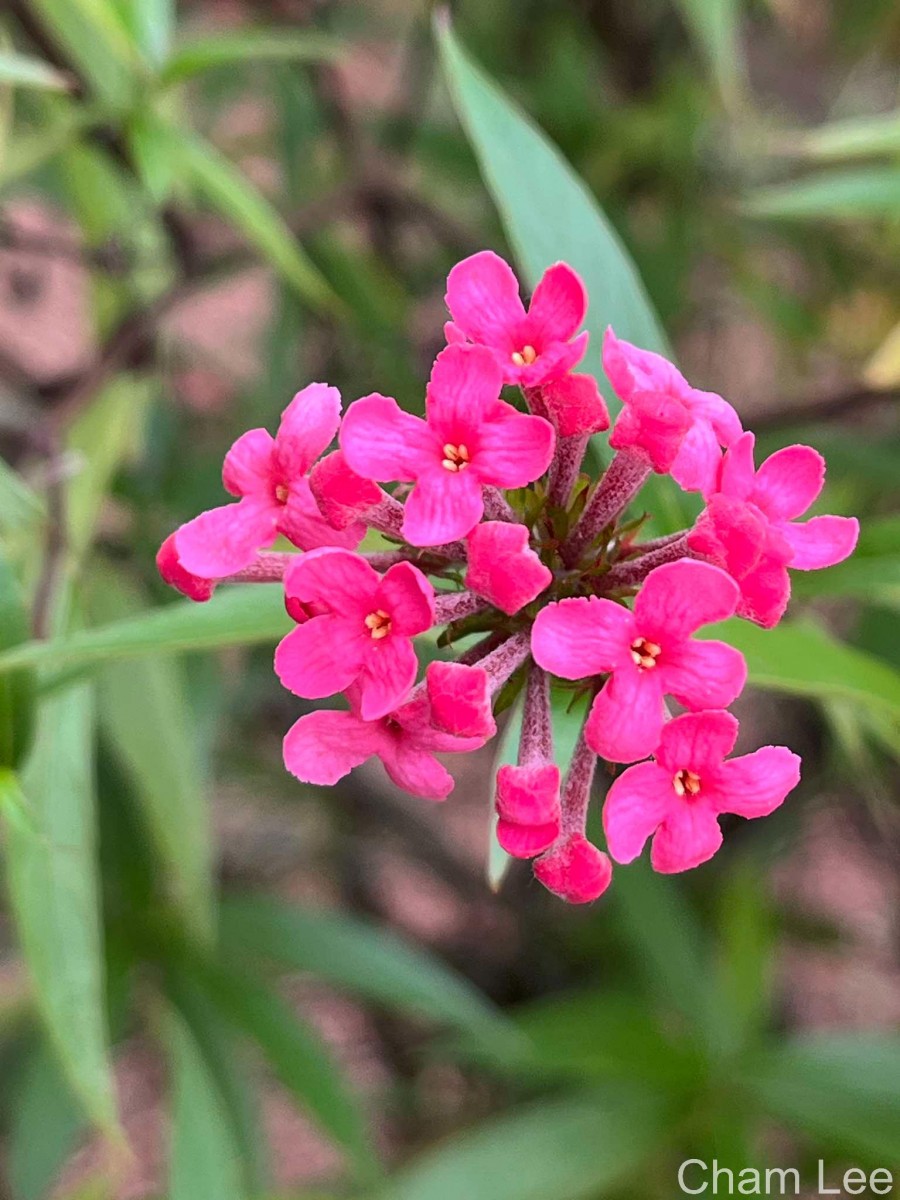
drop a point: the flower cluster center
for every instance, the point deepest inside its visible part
(456, 458)
(645, 653)
(524, 357)
(686, 783)
(378, 624)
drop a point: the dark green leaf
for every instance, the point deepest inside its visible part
(46, 1125)
(16, 688)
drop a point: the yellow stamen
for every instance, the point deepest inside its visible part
(456, 458)
(645, 653)
(281, 494)
(378, 624)
(686, 783)
(524, 357)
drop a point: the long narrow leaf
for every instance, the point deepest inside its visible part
(24, 71)
(250, 45)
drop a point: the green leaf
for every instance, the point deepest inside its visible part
(837, 195)
(294, 1052)
(547, 211)
(203, 1164)
(714, 25)
(240, 616)
(20, 507)
(843, 141)
(150, 23)
(367, 961)
(46, 1125)
(235, 198)
(575, 1148)
(144, 712)
(840, 1089)
(746, 952)
(53, 887)
(249, 45)
(93, 35)
(24, 71)
(16, 688)
(151, 149)
(802, 659)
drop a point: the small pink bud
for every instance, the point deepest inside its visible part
(575, 870)
(460, 699)
(169, 566)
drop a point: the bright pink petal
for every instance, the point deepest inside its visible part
(582, 636)
(323, 747)
(307, 426)
(703, 674)
(302, 523)
(696, 465)
(558, 306)
(711, 407)
(575, 406)
(443, 506)
(525, 841)
(338, 578)
(554, 361)
(737, 475)
(414, 717)
(630, 369)
(636, 805)
(765, 593)
(730, 534)
(173, 573)
(788, 482)
(575, 870)
(343, 496)
(678, 597)
(655, 423)
(626, 718)
(821, 541)
(389, 671)
(225, 540)
(460, 699)
(689, 836)
(528, 795)
(483, 299)
(513, 449)
(248, 466)
(322, 657)
(503, 568)
(754, 785)
(697, 742)
(464, 387)
(407, 596)
(381, 441)
(454, 335)
(416, 771)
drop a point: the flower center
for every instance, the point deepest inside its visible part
(645, 653)
(378, 624)
(686, 783)
(281, 494)
(524, 357)
(456, 458)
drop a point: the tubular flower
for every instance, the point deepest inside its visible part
(678, 798)
(534, 583)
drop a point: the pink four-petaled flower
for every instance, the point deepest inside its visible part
(269, 474)
(469, 438)
(648, 653)
(680, 796)
(360, 629)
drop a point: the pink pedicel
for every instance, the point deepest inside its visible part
(524, 581)
(677, 798)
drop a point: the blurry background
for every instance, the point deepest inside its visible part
(205, 205)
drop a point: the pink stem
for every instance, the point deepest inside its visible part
(506, 659)
(451, 606)
(636, 570)
(268, 567)
(536, 741)
(496, 507)
(576, 794)
(565, 467)
(624, 478)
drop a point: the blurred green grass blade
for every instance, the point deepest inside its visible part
(17, 702)
(92, 34)
(352, 954)
(294, 1052)
(844, 141)
(150, 24)
(576, 1148)
(46, 1125)
(235, 198)
(745, 966)
(547, 211)
(239, 616)
(144, 712)
(20, 507)
(150, 146)
(23, 71)
(842, 1090)
(803, 659)
(845, 194)
(53, 885)
(715, 26)
(249, 45)
(203, 1163)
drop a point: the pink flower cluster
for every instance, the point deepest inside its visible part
(535, 573)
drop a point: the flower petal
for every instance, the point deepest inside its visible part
(788, 482)
(636, 805)
(248, 466)
(464, 388)
(443, 506)
(514, 448)
(575, 870)
(630, 369)
(302, 523)
(323, 747)
(697, 742)
(307, 426)
(389, 671)
(558, 306)
(225, 540)
(689, 836)
(582, 636)
(343, 496)
(503, 568)
(554, 361)
(821, 541)
(575, 406)
(678, 597)
(696, 465)
(528, 795)
(321, 657)
(483, 299)
(173, 573)
(381, 441)
(703, 674)
(765, 593)
(525, 841)
(460, 699)
(338, 578)
(737, 475)
(626, 718)
(754, 785)
(416, 771)
(407, 596)
(709, 406)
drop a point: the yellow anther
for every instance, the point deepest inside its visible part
(456, 458)
(524, 357)
(645, 653)
(686, 783)
(378, 623)
(281, 494)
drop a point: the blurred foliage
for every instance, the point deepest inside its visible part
(687, 157)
